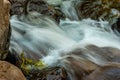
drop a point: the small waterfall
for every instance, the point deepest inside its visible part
(68, 9)
(37, 38)
(44, 37)
(71, 42)
(87, 32)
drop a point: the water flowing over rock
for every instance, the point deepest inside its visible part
(82, 49)
(10, 72)
(108, 72)
(66, 44)
(4, 28)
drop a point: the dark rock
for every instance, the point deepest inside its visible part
(116, 26)
(50, 73)
(14, 59)
(36, 5)
(16, 7)
(99, 9)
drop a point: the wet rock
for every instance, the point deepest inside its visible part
(110, 54)
(78, 67)
(107, 72)
(10, 72)
(50, 73)
(99, 9)
(88, 60)
(36, 5)
(116, 26)
(16, 7)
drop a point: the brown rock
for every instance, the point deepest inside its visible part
(79, 64)
(10, 72)
(110, 71)
(78, 67)
(4, 28)
(107, 53)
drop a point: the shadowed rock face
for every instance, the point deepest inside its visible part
(116, 25)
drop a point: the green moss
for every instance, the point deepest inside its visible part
(29, 64)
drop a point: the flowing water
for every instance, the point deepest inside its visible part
(39, 37)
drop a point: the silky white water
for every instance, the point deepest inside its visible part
(42, 38)
(45, 37)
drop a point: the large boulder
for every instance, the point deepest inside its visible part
(10, 72)
(4, 28)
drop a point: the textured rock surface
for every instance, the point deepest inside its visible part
(4, 28)
(52, 73)
(40, 6)
(108, 72)
(10, 72)
(96, 9)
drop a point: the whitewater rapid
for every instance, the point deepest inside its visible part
(43, 38)
(84, 43)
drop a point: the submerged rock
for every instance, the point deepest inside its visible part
(108, 72)
(10, 72)
(108, 54)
